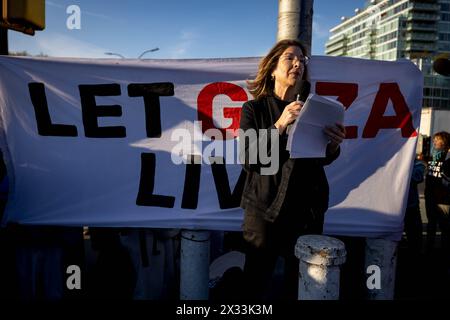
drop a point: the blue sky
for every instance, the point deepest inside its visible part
(181, 29)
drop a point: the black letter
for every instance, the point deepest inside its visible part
(145, 195)
(44, 123)
(191, 182)
(227, 199)
(91, 111)
(151, 93)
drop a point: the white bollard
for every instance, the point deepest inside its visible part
(381, 265)
(320, 258)
(194, 265)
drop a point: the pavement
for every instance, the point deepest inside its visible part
(419, 276)
(422, 275)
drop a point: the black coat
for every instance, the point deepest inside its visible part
(266, 195)
(436, 189)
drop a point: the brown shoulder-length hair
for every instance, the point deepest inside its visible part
(445, 137)
(263, 84)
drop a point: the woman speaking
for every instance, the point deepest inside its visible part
(292, 200)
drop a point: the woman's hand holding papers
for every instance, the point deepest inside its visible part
(336, 134)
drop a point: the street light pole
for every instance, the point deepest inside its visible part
(146, 51)
(139, 58)
(114, 54)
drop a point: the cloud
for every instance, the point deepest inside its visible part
(52, 4)
(321, 33)
(85, 12)
(101, 16)
(60, 45)
(319, 30)
(185, 42)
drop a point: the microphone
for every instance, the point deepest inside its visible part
(305, 88)
(442, 66)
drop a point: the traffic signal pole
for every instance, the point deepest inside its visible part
(3, 41)
(3, 35)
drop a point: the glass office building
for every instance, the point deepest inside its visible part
(418, 30)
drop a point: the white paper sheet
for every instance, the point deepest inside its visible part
(306, 138)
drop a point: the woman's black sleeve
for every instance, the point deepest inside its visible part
(330, 157)
(250, 139)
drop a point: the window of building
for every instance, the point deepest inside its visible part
(444, 27)
(444, 46)
(389, 46)
(387, 37)
(428, 81)
(437, 92)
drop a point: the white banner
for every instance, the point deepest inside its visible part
(99, 143)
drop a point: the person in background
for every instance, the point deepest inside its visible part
(280, 206)
(413, 220)
(437, 196)
(445, 210)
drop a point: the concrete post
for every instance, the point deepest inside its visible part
(320, 258)
(381, 265)
(194, 265)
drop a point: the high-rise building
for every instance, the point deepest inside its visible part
(418, 30)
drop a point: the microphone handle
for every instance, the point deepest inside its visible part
(289, 126)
